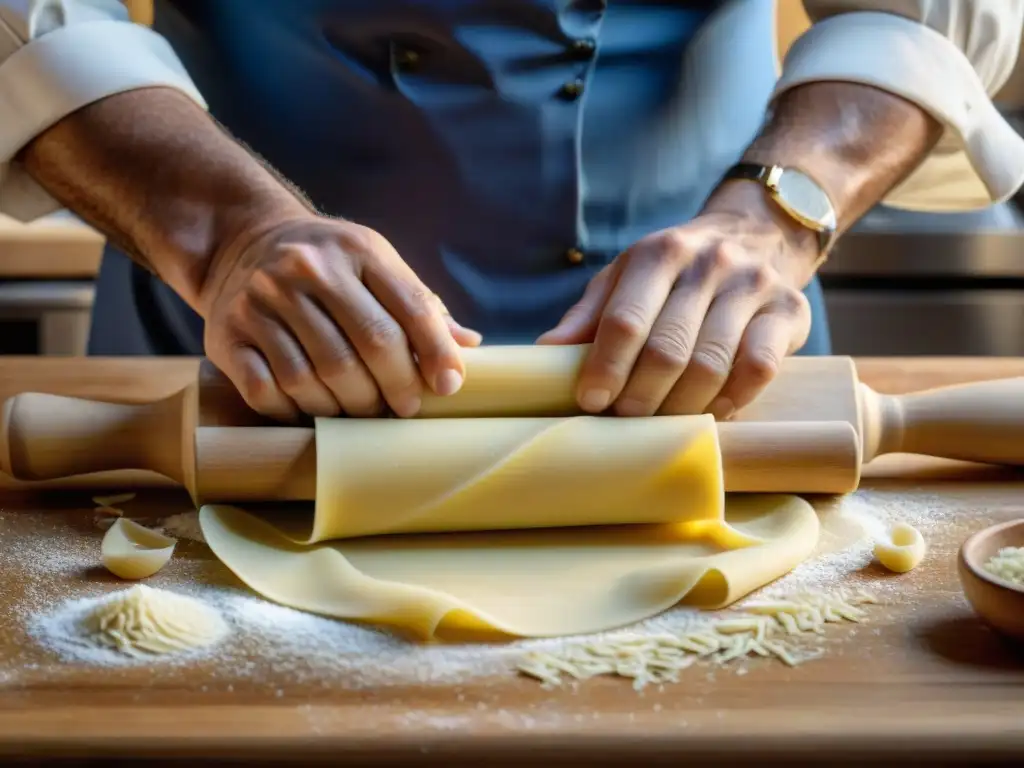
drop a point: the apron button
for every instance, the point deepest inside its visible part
(572, 90)
(407, 59)
(575, 256)
(583, 49)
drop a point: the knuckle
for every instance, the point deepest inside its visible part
(760, 278)
(292, 374)
(338, 364)
(758, 367)
(713, 360)
(669, 350)
(793, 302)
(257, 390)
(666, 248)
(627, 322)
(301, 263)
(671, 242)
(422, 304)
(362, 242)
(243, 312)
(718, 260)
(380, 335)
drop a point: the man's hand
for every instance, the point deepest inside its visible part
(698, 317)
(323, 316)
(303, 313)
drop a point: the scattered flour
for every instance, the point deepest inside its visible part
(272, 646)
(184, 525)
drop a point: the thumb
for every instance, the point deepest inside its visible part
(579, 324)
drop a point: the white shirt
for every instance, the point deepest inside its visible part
(947, 56)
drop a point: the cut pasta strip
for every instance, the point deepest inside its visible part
(757, 629)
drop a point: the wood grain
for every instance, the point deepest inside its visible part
(925, 681)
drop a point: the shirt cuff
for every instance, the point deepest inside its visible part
(980, 158)
(61, 72)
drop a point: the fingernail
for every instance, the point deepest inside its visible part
(448, 382)
(595, 400)
(722, 408)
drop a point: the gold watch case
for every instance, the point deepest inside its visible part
(802, 198)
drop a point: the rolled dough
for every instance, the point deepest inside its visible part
(649, 491)
(411, 476)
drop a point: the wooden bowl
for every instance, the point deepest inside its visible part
(999, 602)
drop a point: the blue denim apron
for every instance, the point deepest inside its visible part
(507, 149)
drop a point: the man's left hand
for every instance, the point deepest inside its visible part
(696, 318)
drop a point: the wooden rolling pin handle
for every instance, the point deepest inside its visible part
(45, 437)
(980, 422)
(246, 464)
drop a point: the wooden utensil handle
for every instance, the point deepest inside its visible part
(981, 422)
(45, 437)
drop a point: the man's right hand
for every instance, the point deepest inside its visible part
(322, 316)
(303, 313)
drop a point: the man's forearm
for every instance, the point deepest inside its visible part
(858, 142)
(156, 175)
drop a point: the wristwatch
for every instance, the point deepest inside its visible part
(798, 195)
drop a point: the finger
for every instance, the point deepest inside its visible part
(765, 343)
(777, 330)
(291, 368)
(713, 353)
(335, 361)
(421, 316)
(579, 324)
(464, 337)
(377, 337)
(668, 349)
(629, 315)
(247, 369)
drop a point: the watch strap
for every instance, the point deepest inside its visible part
(749, 172)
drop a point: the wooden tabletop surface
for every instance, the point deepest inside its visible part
(49, 249)
(923, 681)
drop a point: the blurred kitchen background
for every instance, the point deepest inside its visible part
(899, 284)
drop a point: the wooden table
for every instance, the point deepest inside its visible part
(928, 683)
(49, 249)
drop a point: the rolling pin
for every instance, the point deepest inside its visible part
(809, 432)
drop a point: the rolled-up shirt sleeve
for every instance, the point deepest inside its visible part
(947, 56)
(57, 56)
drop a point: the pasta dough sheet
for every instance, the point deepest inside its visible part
(379, 476)
(516, 583)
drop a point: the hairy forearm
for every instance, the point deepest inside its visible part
(158, 177)
(858, 142)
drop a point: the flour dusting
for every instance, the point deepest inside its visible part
(271, 646)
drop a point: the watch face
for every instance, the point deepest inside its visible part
(804, 198)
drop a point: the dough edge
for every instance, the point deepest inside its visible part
(434, 614)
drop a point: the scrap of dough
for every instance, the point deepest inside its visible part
(107, 502)
(145, 621)
(523, 583)
(903, 550)
(379, 476)
(133, 551)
